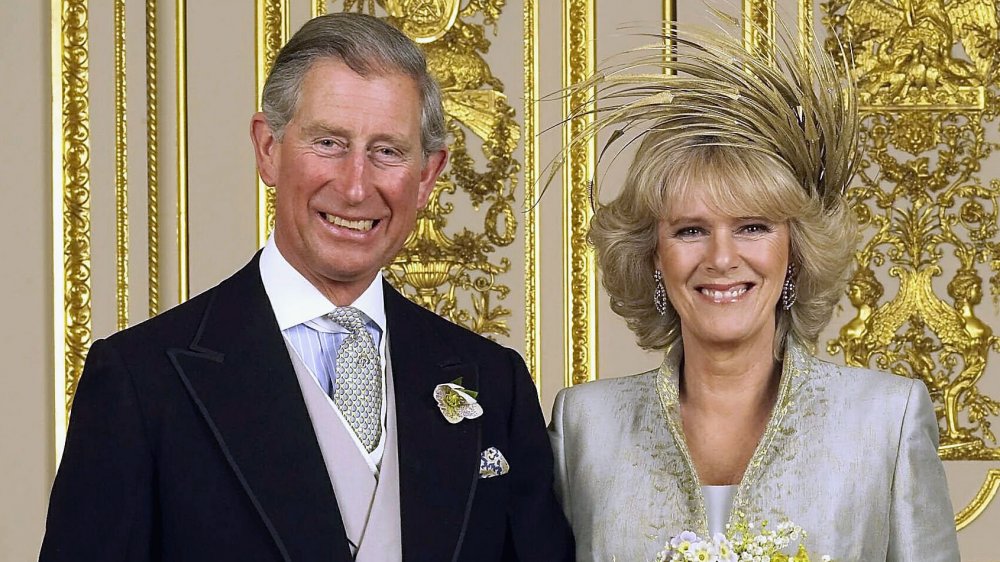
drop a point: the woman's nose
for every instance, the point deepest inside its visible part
(722, 254)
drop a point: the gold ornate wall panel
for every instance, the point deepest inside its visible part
(532, 219)
(72, 325)
(758, 26)
(78, 265)
(183, 246)
(580, 286)
(927, 77)
(121, 172)
(455, 273)
(271, 32)
(152, 163)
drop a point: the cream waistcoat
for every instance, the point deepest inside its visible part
(369, 505)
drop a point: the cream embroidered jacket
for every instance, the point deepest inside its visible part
(848, 454)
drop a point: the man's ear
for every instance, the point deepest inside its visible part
(265, 149)
(433, 166)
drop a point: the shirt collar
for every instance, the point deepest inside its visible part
(295, 300)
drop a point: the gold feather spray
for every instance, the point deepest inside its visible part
(797, 105)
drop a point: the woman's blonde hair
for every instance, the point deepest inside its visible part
(737, 182)
(771, 132)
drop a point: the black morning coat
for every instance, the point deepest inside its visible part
(189, 441)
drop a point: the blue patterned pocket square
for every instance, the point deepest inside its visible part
(492, 463)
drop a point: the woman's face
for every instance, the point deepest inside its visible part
(722, 274)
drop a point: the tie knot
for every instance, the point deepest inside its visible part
(348, 317)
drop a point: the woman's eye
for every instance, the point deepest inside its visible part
(756, 228)
(688, 231)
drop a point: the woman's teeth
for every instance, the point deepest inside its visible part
(719, 296)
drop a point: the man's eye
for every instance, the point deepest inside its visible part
(328, 144)
(387, 153)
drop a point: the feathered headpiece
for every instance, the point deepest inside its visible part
(795, 105)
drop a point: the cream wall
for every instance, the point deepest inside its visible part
(25, 286)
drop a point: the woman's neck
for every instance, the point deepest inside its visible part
(729, 379)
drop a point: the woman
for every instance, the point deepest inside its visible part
(728, 248)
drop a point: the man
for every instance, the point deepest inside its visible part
(292, 412)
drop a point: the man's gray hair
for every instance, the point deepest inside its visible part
(366, 45)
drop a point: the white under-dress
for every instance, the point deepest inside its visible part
(718, 505)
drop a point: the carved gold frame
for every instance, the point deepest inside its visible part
(579, 272)
(121, 171)
(532, 220)
(152, 164)
(72, 326)
(183, 255)
(271, 30)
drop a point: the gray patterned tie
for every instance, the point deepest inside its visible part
(358, 388)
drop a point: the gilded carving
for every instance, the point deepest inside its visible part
(121, 171)
(452, 273)
(183, 250)
(425, 21)
(531, 174)
(581, 331)
(272, 26)
(758, 26)
(152, 169)
(927, 75)
(74, 185)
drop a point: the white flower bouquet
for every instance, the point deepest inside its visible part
(744, 543)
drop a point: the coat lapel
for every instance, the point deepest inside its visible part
(438, 461)
(238, 372)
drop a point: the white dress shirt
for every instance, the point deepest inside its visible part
(297, 303)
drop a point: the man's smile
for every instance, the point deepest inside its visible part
(359, 225)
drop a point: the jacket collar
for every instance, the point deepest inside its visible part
(240, 377)
(795, 369)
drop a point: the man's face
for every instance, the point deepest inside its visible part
(349, 175)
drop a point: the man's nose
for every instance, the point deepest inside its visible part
(353, 176)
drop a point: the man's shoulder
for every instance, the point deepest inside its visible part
(443, 329)
(168, 328)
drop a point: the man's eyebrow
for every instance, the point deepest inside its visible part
(321, 129)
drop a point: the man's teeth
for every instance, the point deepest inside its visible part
(362, 225)
(724, 295)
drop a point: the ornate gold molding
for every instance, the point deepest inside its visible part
(532, 219)
(318, 8)
(580, 301)
(451, 273)
(807, 35)
(920, 197)
(70, 203)
(152, 171)
(183, 266)
(986, 493)
(271, 32)
(758, 26)
(669, 13)
(121, 170)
